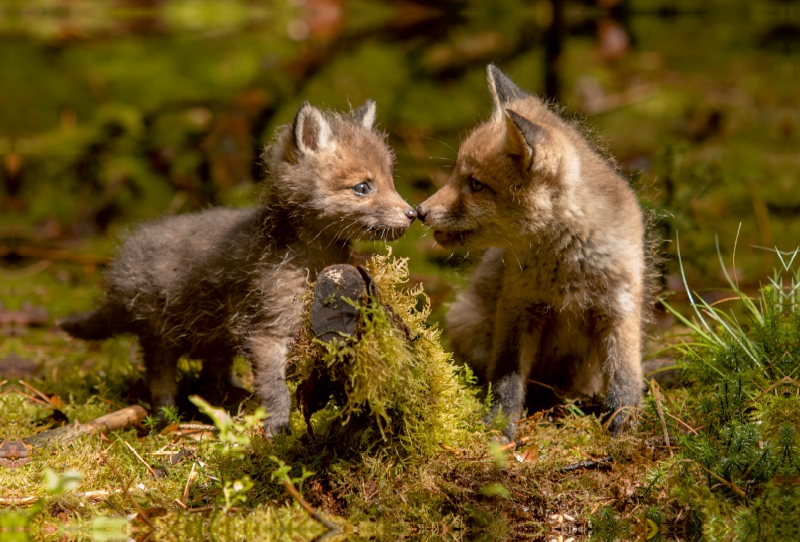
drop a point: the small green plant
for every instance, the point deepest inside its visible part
(234, 436)
(151, 422)
(231, 443)
(281, 474)
(235, 492)
(171, 414)
(744, 402)
(56, 484)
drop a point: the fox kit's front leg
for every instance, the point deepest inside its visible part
(161, 362)
(619, 346)
(268, 355)
(511, 366)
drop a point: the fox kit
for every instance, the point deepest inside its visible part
(220, 282)
(558, 297)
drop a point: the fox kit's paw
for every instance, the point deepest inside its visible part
(623, 401)
(496, 419)
(161, 422)
(507, 405)
(508, 433)
(275, 427)
(621, 421)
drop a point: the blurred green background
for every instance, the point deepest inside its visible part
(124, 110)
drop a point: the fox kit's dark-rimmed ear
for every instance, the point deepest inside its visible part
(522, 137)
(503, 90)
(365, 114)
(312, 132)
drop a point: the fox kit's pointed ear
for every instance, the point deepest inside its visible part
(312, 133)
(365, 114)
(522, 137)
(503, 90)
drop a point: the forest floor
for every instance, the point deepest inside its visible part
(564, 477)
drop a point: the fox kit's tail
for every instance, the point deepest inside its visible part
(90, 326)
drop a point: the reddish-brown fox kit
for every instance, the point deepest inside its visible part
(225, 281)
(558, 297)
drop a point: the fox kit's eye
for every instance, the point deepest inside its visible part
(362, 188)
(475, 184)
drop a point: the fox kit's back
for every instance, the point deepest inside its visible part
(221, 282)
(558, 296)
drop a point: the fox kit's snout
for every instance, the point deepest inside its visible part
(223, 282)
(341, 169)
(506, 176)
(563, 231)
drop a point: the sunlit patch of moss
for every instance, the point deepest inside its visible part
(402, 392)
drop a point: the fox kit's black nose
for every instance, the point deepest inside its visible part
(411, 214)
(421, 213)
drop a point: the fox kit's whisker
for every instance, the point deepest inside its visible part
(443, 143)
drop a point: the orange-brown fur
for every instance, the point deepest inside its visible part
(558, 295)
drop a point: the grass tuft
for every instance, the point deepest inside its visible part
(743, 401)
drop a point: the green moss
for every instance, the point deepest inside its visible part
(400, 382)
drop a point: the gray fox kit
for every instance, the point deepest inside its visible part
(223, 281)
(559, 294)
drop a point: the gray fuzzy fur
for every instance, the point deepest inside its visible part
(213, 284)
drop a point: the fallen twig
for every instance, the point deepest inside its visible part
(37, 392)
(112, 403)
(124, 487)
(658, 442)
(657, 397)
(735, 488)
(33, 398)
(614, 414)
(197, 427)
(204, 509)
(308, 508)
(514, 443)
(683, 423)
(140, 458)
(590, 464)
(98, 494)
(536, 417)
(119, 419)
(54, 254)
(189, 482)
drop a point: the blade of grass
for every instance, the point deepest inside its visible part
(736, 489)
(711, 336)
(660, 409)
(124, 487)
